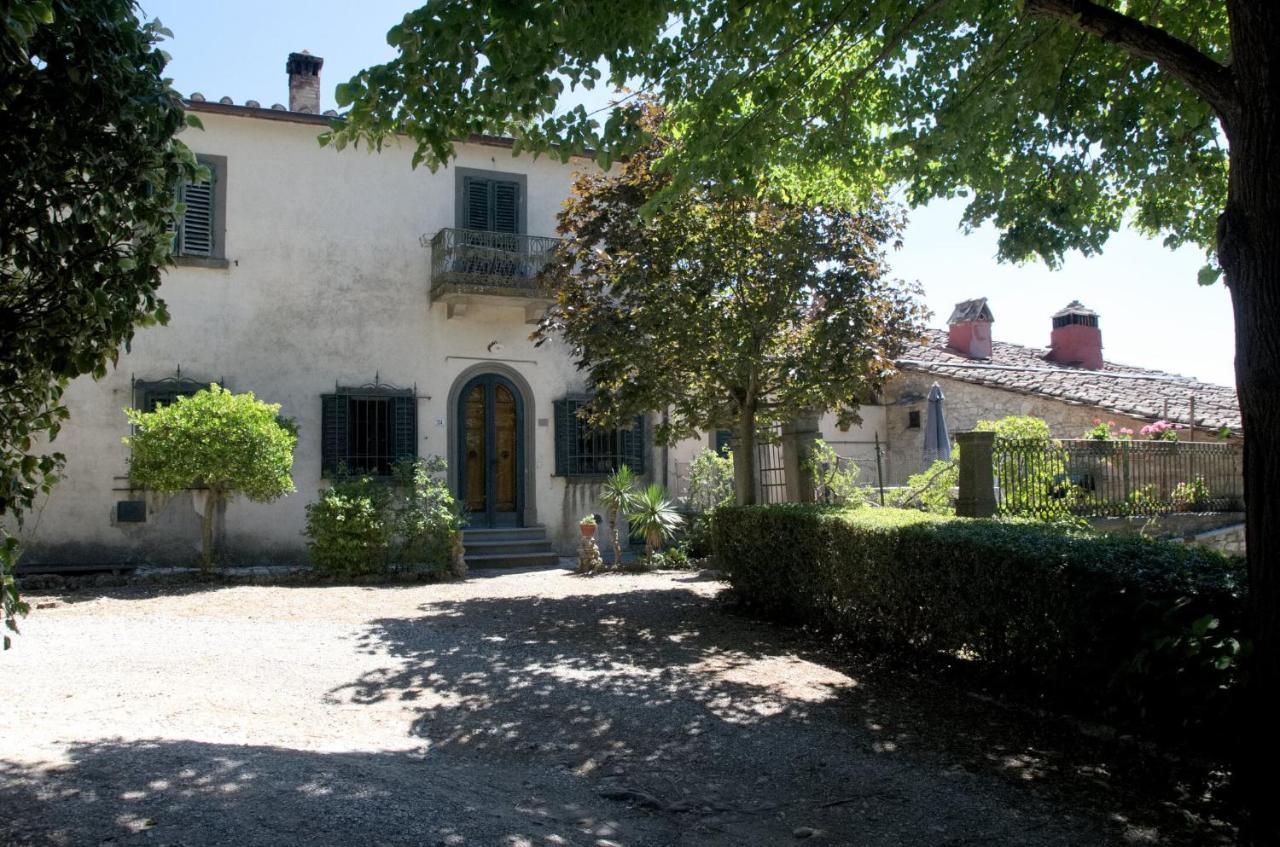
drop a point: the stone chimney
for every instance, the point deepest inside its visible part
(1076, 339)
(304, 82)
(969, 329)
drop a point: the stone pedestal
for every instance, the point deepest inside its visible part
(589, 560)
(797, 445)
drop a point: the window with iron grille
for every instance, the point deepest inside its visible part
(583, 450)
(201, 225)
(366, 431)
(149, 395)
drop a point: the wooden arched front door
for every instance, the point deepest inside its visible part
(491, 451)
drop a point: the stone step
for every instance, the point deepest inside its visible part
(506, 533)
(511, 560)
(517, 545)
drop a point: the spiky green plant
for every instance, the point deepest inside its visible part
(654, 515)
(618, 497)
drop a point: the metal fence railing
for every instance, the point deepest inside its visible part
(771, 473)
(1115, 478)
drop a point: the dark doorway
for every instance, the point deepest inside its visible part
(491, 451)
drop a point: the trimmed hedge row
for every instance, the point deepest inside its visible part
(1126, 626)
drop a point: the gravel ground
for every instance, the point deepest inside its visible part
(531, 708)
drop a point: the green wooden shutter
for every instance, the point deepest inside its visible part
(506, 207)
(477, 211)
(631, 445)
(566, 424)
(195, 237)
(404, 425)
(333, 433)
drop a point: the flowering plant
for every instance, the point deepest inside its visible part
(1161, 431)
(1106, 431)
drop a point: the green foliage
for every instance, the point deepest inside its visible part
(411, 523)
(672, 558)
(1191, 496)
(781, 307)
(654, 516)
(426, 519)
(88, 169)
(835, 479)
(1030, 470)
(696, 540)
(618, 496)
(223, 443)
(1130, 627)
(710, 480)
(348, 529)
(930, 490)
(1051, 133)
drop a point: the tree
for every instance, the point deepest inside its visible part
(221, 443)
(725, 310)
(655, 517)
(1060, 119)
(88, 170)
(618, 496)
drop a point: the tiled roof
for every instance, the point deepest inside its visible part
(1123, 390)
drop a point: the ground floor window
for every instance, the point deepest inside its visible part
(583, 450)
(150, 394)
(366, 431)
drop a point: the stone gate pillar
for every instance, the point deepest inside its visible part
(977, 496)
(797, 443)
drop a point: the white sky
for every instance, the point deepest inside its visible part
(1153, 314)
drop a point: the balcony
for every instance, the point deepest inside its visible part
(467, 264)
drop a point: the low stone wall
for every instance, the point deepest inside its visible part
(1223, 531)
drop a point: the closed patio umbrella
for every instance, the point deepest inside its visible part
(937, 441)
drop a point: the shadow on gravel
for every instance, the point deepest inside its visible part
(663, 699)
(191, 793)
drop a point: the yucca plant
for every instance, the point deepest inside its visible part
(655, 516)
(618, 497)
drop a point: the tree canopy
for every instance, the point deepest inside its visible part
(723, 310)
(826, 99)
(221, 443)
(89, 165)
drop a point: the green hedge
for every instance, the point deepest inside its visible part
(1129, 626)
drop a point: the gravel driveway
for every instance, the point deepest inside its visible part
(535, 708)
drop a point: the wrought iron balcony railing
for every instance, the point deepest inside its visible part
(480, 262)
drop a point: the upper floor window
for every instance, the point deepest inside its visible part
(583, 450)
(491, 201)
(202, 225)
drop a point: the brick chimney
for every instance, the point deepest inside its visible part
(304, 82)
(969, 329)
(1076, 339)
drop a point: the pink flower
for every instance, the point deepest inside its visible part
(1124, 430)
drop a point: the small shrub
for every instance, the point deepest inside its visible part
(696, 541)
(672, 558)
(410, 523)
(710, 481)
(348, 531)
(1128, 627)
(654, 517)
(930, 490)
(1191, 496)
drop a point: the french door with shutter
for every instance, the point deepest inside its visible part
(491, 452)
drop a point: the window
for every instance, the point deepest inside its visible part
(202, 225)
(582, 450)
(148, 395)
(366, 431)
(724, 441)
(490, 201)
(913, 420)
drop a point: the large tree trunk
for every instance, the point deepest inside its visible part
(1249, 250)
(744, 459)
